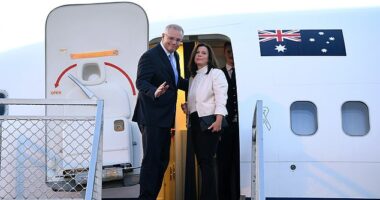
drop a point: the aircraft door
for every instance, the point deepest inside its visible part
(99, 45)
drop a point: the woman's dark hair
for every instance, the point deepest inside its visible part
(212, 62)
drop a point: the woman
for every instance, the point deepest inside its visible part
(207, 96)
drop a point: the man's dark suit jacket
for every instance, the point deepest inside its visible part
(154, 68)
(232, 107)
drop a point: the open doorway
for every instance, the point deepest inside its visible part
(186, 182)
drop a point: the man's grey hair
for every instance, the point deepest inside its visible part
(175, 27)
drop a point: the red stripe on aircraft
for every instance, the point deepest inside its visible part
(125, 74)
(63, 73)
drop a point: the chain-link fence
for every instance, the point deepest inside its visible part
(51, 156)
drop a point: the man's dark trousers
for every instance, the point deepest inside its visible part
(156, 147)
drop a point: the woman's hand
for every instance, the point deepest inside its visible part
(217, 125)
(184, 108)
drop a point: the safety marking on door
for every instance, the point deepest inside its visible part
(107, 64)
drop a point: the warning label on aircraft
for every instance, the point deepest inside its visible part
(324, 42)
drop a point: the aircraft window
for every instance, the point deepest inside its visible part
(303, 117)
(355, 118)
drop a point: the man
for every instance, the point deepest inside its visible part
(158, 79)
(228, 150)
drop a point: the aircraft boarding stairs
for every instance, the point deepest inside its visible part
(37, 162)
(51, 156)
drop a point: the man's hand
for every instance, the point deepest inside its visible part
(161, 90)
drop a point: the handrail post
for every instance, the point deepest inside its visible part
(95, 154)
(258, 156)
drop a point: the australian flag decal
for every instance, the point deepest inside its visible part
(324, 42)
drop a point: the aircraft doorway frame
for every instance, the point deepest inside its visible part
(173, 186)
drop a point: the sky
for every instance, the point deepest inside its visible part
(22, 22)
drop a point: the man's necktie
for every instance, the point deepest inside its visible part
(231, 72)
(172, 61)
